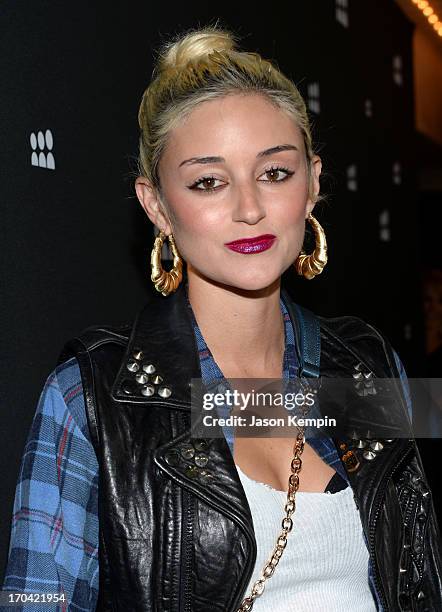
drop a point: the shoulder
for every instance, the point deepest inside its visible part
(94, 337)
(60, 412)
(353, 329)
(350, 327)
(362, 338)
(91, 357)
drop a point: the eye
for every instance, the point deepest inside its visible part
(275, 170)
(204, 180)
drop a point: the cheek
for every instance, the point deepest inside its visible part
(289, 217)
(294, 215)
(197, 232)
(197, 222)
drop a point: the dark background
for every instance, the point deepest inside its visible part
(76, 242)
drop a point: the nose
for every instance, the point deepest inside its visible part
(248, 206)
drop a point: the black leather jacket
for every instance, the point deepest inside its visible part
(174, 537)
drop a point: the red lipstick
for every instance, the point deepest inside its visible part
(252, 245)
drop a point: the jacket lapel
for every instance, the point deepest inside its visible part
(205, 467)
(163, 338)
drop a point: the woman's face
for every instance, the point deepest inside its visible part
(223, 179)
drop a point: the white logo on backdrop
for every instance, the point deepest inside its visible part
(352, 178)
(42, 145)
(313, 100)
(398, 76)
(384, 226)
(397, 173)
(368, 108)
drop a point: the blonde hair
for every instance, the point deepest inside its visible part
(200, 65)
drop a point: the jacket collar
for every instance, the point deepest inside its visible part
(161, 336)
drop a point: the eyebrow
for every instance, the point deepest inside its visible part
(211, 159)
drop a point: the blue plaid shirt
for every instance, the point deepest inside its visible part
(54, 530)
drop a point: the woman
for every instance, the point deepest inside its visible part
(118, 505)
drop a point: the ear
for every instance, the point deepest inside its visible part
(314, 187)
(153, 207)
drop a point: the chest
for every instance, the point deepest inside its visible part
(268, 460)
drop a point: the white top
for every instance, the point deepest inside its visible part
(325, 563)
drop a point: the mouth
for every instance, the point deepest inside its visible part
(252, 245)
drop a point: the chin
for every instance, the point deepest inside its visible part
(245, 277)
(252, 282)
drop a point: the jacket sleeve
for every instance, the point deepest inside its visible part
(54, 530)
(421, 561)
(421, 552)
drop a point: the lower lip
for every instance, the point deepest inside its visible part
(252, 247)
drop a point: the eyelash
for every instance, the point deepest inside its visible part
(194, 185)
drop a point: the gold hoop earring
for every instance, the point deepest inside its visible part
(311, 265)
(165, 282)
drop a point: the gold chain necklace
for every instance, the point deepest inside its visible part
(287, 524)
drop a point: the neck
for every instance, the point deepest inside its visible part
(243, 329)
